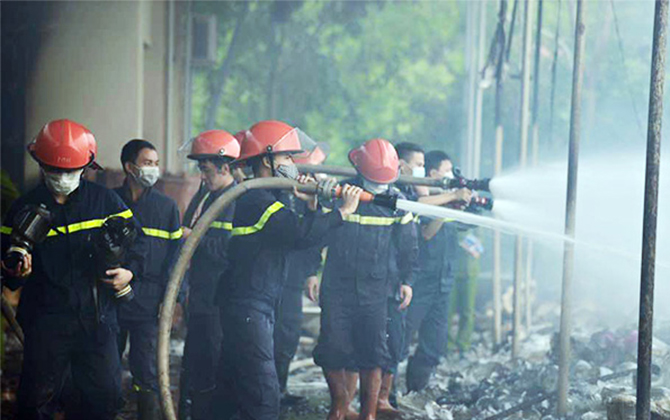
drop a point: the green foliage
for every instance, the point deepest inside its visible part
(343, 72)
(347, 71)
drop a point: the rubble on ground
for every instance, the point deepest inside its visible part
(481, 384)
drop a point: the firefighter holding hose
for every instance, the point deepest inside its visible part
(303, 266)
(438, 247)
(69, 323)
(213, 150)
(355, 280)
(264, 232)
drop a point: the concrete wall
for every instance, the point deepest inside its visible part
(104, 64)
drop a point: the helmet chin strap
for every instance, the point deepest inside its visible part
(272, 161)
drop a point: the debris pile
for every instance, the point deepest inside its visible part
(485, 386)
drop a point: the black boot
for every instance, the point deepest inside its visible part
(418, 374)
(148, 406)
(393, 396)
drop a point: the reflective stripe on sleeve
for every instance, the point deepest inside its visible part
(222, 225)
(248, 230)
(87, 224)
(163, 234)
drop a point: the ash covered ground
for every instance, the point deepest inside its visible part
(481, 383)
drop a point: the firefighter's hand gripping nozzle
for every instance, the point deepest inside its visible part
(459, 181)
(31, 226)
(110, 245)
(479, 203)
(330, 189)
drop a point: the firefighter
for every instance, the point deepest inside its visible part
(354, 290)
(265, 231)
(159, 216)
(213, 151)
(67, 314)
(303, 266)
(428, 314)
(411, 162)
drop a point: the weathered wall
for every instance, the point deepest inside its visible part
(104, 64)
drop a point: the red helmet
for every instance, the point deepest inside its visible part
(214, 143)
(268, 137)
(239, 136)
(316, 157)
(64, 144)
(376, 160)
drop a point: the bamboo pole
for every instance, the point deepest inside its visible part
(571, 204)
(523, 156)
(646, 321)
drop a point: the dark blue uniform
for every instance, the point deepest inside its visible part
(64, 333)
(203, 339)
(395, 325)
(159, 216)
(428, 313)
(265, 232)
(354, 290)
(301, 265)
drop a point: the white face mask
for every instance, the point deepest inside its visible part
(148, 175)
(62, 183)
(287, 171)
(375, 188)
(419, 172)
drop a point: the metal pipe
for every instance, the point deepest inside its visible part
(177, 275)
(536, 86)
(188, 76)
(644, 345)
(471, 55)
(169, 100)
(534, 153)
(497, 169)
(479, 95)
(523, 155)
(571, 204)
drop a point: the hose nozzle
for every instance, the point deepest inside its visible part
(481, 203)
(330, 189)
(459, 181)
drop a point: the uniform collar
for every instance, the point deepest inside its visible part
(127, 196)
(218, 193)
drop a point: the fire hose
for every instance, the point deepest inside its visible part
(187, 250)
(192, 242)
(458, 181)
